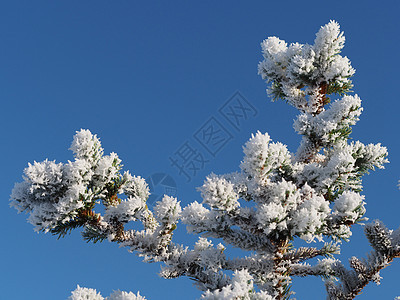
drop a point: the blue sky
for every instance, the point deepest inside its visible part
(146, 77)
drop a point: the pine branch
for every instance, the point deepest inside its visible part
(85, 216)
(93, 234)
(340, 89)
(386, 247)
(303, 253)
(62, 229)
(303, 270)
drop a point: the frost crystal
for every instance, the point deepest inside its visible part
(91, 294)
(167, 210)
(85, 294)
(219, 193)
(118, 295)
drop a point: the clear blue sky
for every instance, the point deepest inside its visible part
(146, 76)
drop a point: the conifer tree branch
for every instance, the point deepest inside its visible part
(386, 244)
(276, 198)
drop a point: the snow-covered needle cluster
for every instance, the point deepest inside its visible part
(91, 294)
(298, 70)
(276, 197)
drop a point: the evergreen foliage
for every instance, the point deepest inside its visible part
(313, 194)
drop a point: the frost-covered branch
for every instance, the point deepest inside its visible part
(303, 253)
(299, 71)
(91, 294)
(275, 198)
(386, 247)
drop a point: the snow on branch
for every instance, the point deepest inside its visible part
(91, 294)
(276, 198)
